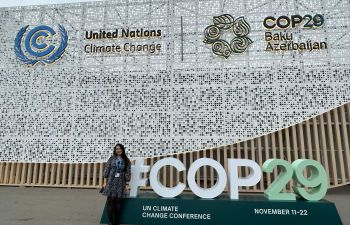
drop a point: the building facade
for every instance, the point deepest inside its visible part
(167, 77)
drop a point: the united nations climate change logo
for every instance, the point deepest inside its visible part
(41, 44)
(226, 23)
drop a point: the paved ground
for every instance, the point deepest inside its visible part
(60, 206)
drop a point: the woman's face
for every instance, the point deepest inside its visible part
(118, 150)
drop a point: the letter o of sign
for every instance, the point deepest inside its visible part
(220, 184)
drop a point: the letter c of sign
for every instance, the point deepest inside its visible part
(267, 19)
(159, 188)
(32, 38)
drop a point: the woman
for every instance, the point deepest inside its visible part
(118, 173)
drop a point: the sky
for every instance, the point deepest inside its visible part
(11, 3)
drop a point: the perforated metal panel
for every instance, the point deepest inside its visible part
(181, 98)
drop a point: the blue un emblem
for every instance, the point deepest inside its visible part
(40, 44)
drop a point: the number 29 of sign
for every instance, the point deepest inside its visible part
(312, 187)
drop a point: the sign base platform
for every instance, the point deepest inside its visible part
(187, 209)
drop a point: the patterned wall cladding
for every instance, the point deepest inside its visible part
(182, 97)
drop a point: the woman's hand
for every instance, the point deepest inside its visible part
(127, 188)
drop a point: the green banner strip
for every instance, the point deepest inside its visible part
(248, 210)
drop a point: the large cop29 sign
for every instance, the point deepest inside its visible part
(40, 44)
(280, 34)
(308, 178)
(313, 187)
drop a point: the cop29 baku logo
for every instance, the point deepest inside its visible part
(41, 44)
(226, 24)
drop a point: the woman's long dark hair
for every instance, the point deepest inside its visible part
(124, 157)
